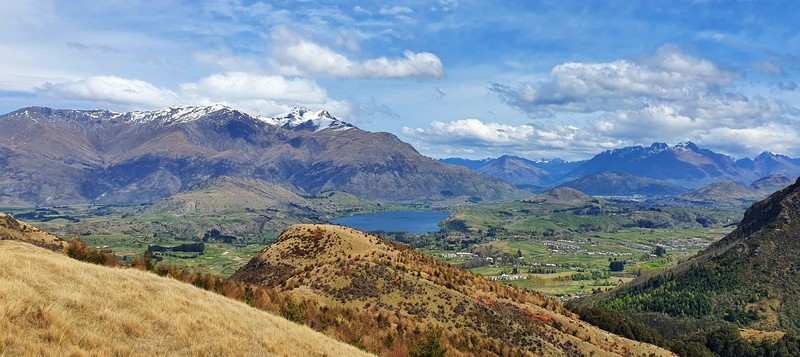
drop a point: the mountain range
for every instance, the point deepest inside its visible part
(683, 165)
(51, 156)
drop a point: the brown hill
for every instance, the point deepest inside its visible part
(721, 192)
(610, 183)
(771, 183)
(226, 194)
(53, 305)
(341, 266)
(561, 196)
(12, 229)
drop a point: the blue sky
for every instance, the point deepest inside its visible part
(539, 79)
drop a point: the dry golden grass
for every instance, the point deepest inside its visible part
(51, 305)
(761, 336)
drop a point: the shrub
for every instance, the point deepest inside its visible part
(78, 250)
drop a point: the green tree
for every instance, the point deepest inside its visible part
(430, 345)
(616, 265)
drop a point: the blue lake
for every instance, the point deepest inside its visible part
(416, 222)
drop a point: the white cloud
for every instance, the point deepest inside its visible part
(295, 56)
(494, 138)
(669, 96)
(669, 75)
(680, 121)
(448, 5)
(110, 89)
(244, 86)
(360, 10)
(395, 10)
(234, 8)
(255, 94)
(775, 137)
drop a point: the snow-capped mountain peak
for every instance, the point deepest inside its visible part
(687, 146)
(302, 118)
(173, 115)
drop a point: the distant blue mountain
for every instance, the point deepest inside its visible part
(682, 165)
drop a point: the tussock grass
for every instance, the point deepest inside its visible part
(51, 305)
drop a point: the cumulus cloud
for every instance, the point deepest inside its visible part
(109, 89)
(240, 85)
(260, 94)
(669, 75)
(467, 134)
(669, 96)
(775, 137)
(297, 56)
(255, 94)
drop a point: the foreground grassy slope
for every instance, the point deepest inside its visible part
(52, 305)
(339, 266)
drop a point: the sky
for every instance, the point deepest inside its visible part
(455, 78)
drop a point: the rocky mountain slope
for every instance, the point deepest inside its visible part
(53, 305)
(342, 266)
(52, 156)
(517, 171)
(768, 163)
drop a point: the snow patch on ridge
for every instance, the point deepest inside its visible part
(173, 115)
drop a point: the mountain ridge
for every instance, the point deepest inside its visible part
(141, 157)
(683, 164)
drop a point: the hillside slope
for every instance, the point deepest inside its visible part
(771, 183)
(53, 305)
(342, 266)
(621, 184)
(12, 229)
(561, 196)
(721, 192)
(749, 278)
